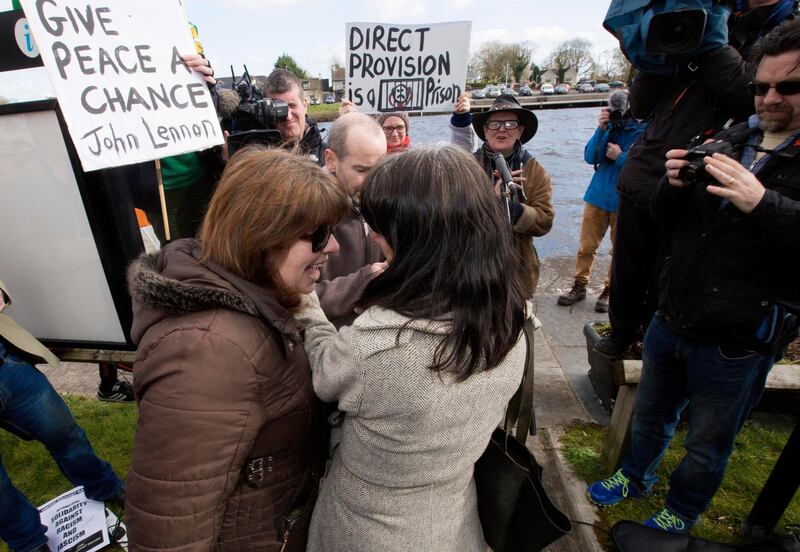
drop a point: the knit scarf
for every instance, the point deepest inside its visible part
(516, 159)
(402, 146)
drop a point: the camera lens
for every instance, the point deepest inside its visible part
(693, 173)
(676, 33)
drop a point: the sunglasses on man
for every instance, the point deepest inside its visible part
(319, 237)
(785, 88)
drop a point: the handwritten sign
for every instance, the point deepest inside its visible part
(406, 67)
(117, 70)
(74, 523)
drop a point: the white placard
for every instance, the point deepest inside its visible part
(406, 67)
(74, 523)
(125, 93)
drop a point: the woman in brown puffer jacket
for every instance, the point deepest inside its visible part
(230, 439)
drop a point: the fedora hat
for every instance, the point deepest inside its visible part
(510, 104)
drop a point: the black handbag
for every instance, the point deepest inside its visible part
(516, 513)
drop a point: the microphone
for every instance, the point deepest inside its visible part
(228, 102)
(502, 166)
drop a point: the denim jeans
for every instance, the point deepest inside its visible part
(31, 409)
(717, 388)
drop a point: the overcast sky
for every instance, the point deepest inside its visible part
(256, 32)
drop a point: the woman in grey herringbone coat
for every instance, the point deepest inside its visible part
(425, 373)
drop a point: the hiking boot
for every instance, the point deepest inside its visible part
(667, 520)
(613, 346)
(602, 302)
(577, 293)
(122, 391)
(614, 489)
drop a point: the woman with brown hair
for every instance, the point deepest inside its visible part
(424, 375)
(230, 436)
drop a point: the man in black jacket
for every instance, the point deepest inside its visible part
(697, 100)
(297, 127)
(728, 295)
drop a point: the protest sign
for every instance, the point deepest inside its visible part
(74, 523)
(125, 92)
(406, 67)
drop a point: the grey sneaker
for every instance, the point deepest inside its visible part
(577, 293)
(602, 301)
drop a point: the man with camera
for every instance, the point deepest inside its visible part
(355, 143)
(296, 126)
(691, 82)
(607, 150)
(729, 301)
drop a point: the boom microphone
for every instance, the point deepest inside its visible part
(228, 102)
(502, 166)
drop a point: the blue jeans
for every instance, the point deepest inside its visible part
(717, 389)
(31, 409)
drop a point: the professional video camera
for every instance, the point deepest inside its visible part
(695, 172)
(657, 36)
(248, 116)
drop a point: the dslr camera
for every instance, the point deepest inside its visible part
(658, 36)
(254, 117)
(695, 172)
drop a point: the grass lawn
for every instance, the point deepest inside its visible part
(110, 427)
(757, 447)
(324, 112)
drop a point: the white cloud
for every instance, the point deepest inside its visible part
(319, 59)
(392, 11)
(252, 5)
(479, 38)
(459, 4)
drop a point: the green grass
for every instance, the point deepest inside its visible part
(757, 448)
(324, 112)
(110, 427)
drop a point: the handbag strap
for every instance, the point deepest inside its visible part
(520, 407)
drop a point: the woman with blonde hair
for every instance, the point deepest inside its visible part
(230, 439)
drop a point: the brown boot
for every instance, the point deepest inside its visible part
(602, 302)
(577, 293)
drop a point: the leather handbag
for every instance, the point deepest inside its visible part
(515, 511)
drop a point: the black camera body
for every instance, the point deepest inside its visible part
(695, 172)
(615, 116)
(254, 118)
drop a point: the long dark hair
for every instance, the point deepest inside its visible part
(454, 257)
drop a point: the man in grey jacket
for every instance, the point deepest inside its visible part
(355, 143)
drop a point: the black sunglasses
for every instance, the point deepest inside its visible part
(319, 237)
(785, 88)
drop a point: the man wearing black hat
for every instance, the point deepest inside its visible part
(504, 128)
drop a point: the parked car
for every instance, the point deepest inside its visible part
(547, 89)
(585, 88)
(508, 90)
(478, 94)
(602, 87)
(314, 101)
(616, 84)
(525, 91)
(561, 89)
(330, 99)
(492, 91)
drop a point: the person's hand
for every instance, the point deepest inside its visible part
(376, 268)
(602, 119)
(463, 104)
(346, 107)
(675, 161)
(198, 63)
(516, 176)
(737, 184)
(613, 151)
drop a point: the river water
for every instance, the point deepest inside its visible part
(558, 146)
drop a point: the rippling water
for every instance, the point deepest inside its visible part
(558, 145)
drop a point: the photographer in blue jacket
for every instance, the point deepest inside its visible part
(607, 150)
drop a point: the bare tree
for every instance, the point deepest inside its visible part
(496, 60)
(575, 54)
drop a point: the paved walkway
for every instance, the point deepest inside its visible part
(562, 392)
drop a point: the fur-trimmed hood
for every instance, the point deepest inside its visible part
(174, 281)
